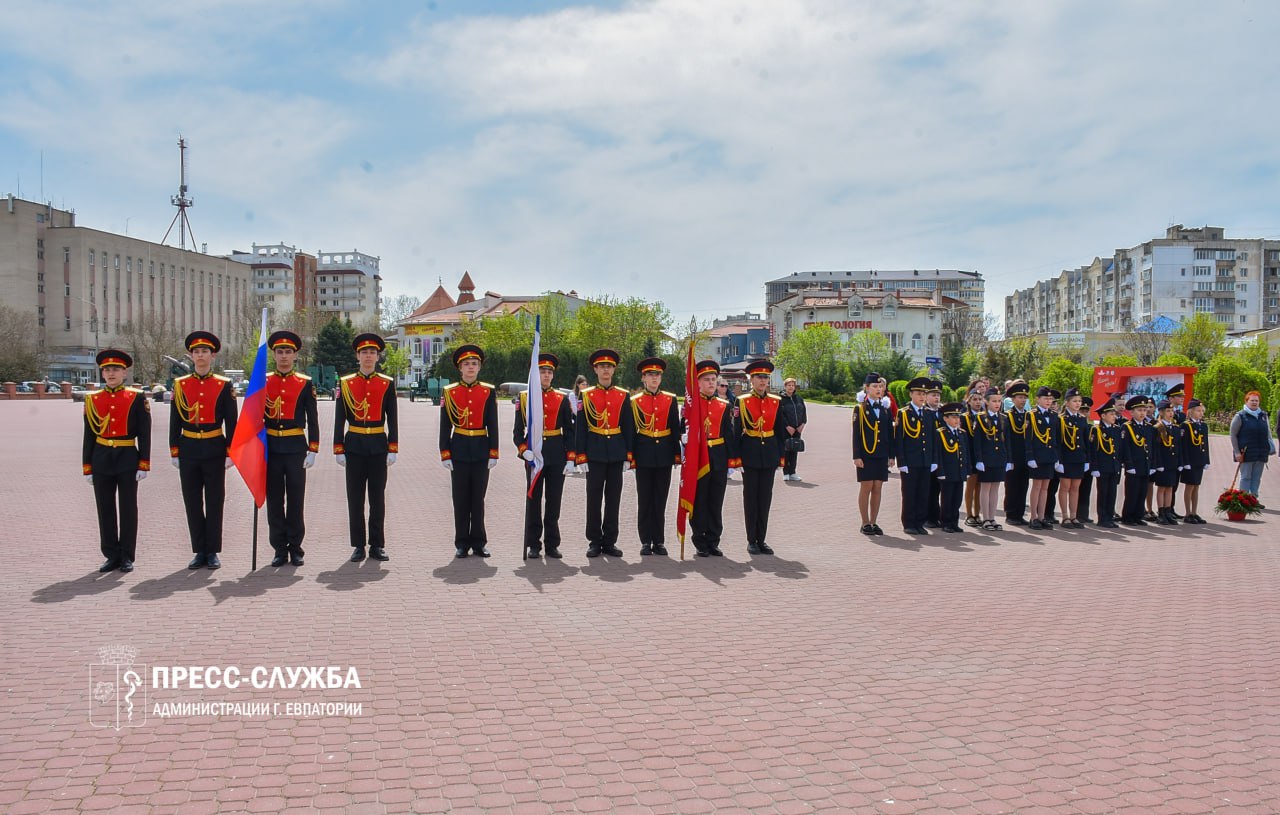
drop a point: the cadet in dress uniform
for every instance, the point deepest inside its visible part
(202, 422)
(1167, 461)
(293, 439)
(1105, 443)
(933, 420)
(1135, 455)
(1019, 476)
(602, 453)
(1177, 396)
(872, 449)
(1042, 454)
(116, 456)
(761, 450)
(914, 440)
(651, 430)
(952, 451)
(1073, 456)
(974, 404)
(1195, 459)
(469, 448)
(707, 520)
(369, 445)
(543, 525)
(1085, 491)
(990, 456)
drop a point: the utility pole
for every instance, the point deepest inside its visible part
(182, 201)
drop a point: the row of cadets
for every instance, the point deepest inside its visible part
(602, 453)
(366, 408)
(873, 449)
(116, 456)
(954, 465)
(1018, 478)
(760, 448)
(651, 430)
(293, 438)
(469, 448)
(1106, 441)
(707, 520)
(202, 421)
(543, 525)
(1042, 453)
(914, 441)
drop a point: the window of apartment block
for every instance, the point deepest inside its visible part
(1204, 254)
(66, 254)
(1203, 271)
(1242, 287)
(117, 262)
(1244, 272)
(66, 324)
(1204, 304)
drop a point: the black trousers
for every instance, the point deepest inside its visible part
(934, 514)
(789, 456)
(204, 488)
(952, 495)
(367, 474)
(1108, 484)
(915, 496)
(1086, 492)
(653, 486)
(543, 525)
(707, 520)
(1135, 497)
(118, 533)
(1016, 482)
(757, 498)
(286, 491)
(470, 481)
(604, 489)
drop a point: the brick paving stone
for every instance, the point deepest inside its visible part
(1070, 672)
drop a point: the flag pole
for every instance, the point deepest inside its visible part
(255, 539)
(688, 397)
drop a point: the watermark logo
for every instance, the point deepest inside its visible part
(117, 689)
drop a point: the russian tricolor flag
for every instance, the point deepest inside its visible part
(249, 445)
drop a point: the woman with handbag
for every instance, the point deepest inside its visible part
(793, 419)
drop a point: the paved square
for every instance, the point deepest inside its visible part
(985, 672)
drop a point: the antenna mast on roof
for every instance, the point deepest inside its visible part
(182, 201)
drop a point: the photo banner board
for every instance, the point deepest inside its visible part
(1125, 383)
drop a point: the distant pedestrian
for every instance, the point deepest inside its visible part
(794, 418)
(1251, 441)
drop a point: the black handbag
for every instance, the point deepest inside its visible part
(793, 445)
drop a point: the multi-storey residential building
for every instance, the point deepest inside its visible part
(735, 340)
(87, 288)
(349, 283)
(1189, 270)
(968, 287)
(284, 279)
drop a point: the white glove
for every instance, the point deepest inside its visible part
(309, 461)
(88, 479)
(1184, 467)
(341, 459)
(447, 464)
(391, 459)
(227, 463)
(1159, 469)
(1151, 472)
(527, 455)
(493, 462)
(1095, 473)
(629, 469)
(735, 470)
(568, 468)
(175, 463)
(1131, 472)
(903, 469)
(981, 466)
(1205, 466)
(1008, 468)
(1058, 468)
(582, 468)
(933, 468)
(942, 478)
(1032, 464)
(141, 475)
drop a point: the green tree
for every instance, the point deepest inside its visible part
(1027, 357)
(1255, 354)
(1172, 360)
(958, 364)
(1224, 382)
(896, 365)
(997, 363)
(1062, 374)
(1201, 338)
(1117, 360)
(864, 350)
(333, 346)
(21, 356)
(395, 361)
(803, 354)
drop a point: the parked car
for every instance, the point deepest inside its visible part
(513, 389)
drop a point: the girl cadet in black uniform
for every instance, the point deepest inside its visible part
(1042, 453)
(990, 449)
(973, 405)
(872, 449)
(1195, 459)
(1105, 441)
(1085, 492)
(1135, 456)
(1073, 457)
(1167, 461)
(1015, 483)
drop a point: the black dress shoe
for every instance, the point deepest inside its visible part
(593, 550)
(765, 550)
(461, 552)
(952, 529)
(481, 552)
(1035, 524)
(1150, 516)
(917, 530)
(296, 560)
(197, 562)
(110, 565)
(934, 524)
(126, 565)
(1175, 515)
(1015, 521)
(646, 549)
(876, 530)
(534, 552)
(278, 561)
(659, 549)
(357, 555)
(752, 549)
(611, 550)
(715, 552)
(1109, 525)
(212, 561)
(378, 553)
(1085, 520)
(703, 553)
(867, 529)
(554, 552)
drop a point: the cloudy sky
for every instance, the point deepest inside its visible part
(681, 150)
